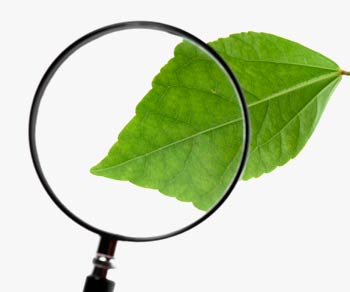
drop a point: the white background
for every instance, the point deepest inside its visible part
(287, 231)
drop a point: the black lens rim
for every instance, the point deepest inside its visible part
(89, 38)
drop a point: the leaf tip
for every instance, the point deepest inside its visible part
(94, 170)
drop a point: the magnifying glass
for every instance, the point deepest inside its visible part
(138, 131)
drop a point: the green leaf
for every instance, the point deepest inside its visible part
(177, 145)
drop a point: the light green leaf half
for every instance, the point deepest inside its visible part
(287, 87)
(185, 139)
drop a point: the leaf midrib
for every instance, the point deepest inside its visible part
(268, 98)
(295, 88)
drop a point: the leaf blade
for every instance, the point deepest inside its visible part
(287, 87)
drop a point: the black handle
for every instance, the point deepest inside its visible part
(97, 281)
(93, 284)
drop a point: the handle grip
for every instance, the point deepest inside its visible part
(94, 284)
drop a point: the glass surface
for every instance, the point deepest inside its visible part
(93, 96)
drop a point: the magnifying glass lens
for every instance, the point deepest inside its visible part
(140, 133)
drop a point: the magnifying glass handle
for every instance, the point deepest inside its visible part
(97, 281)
